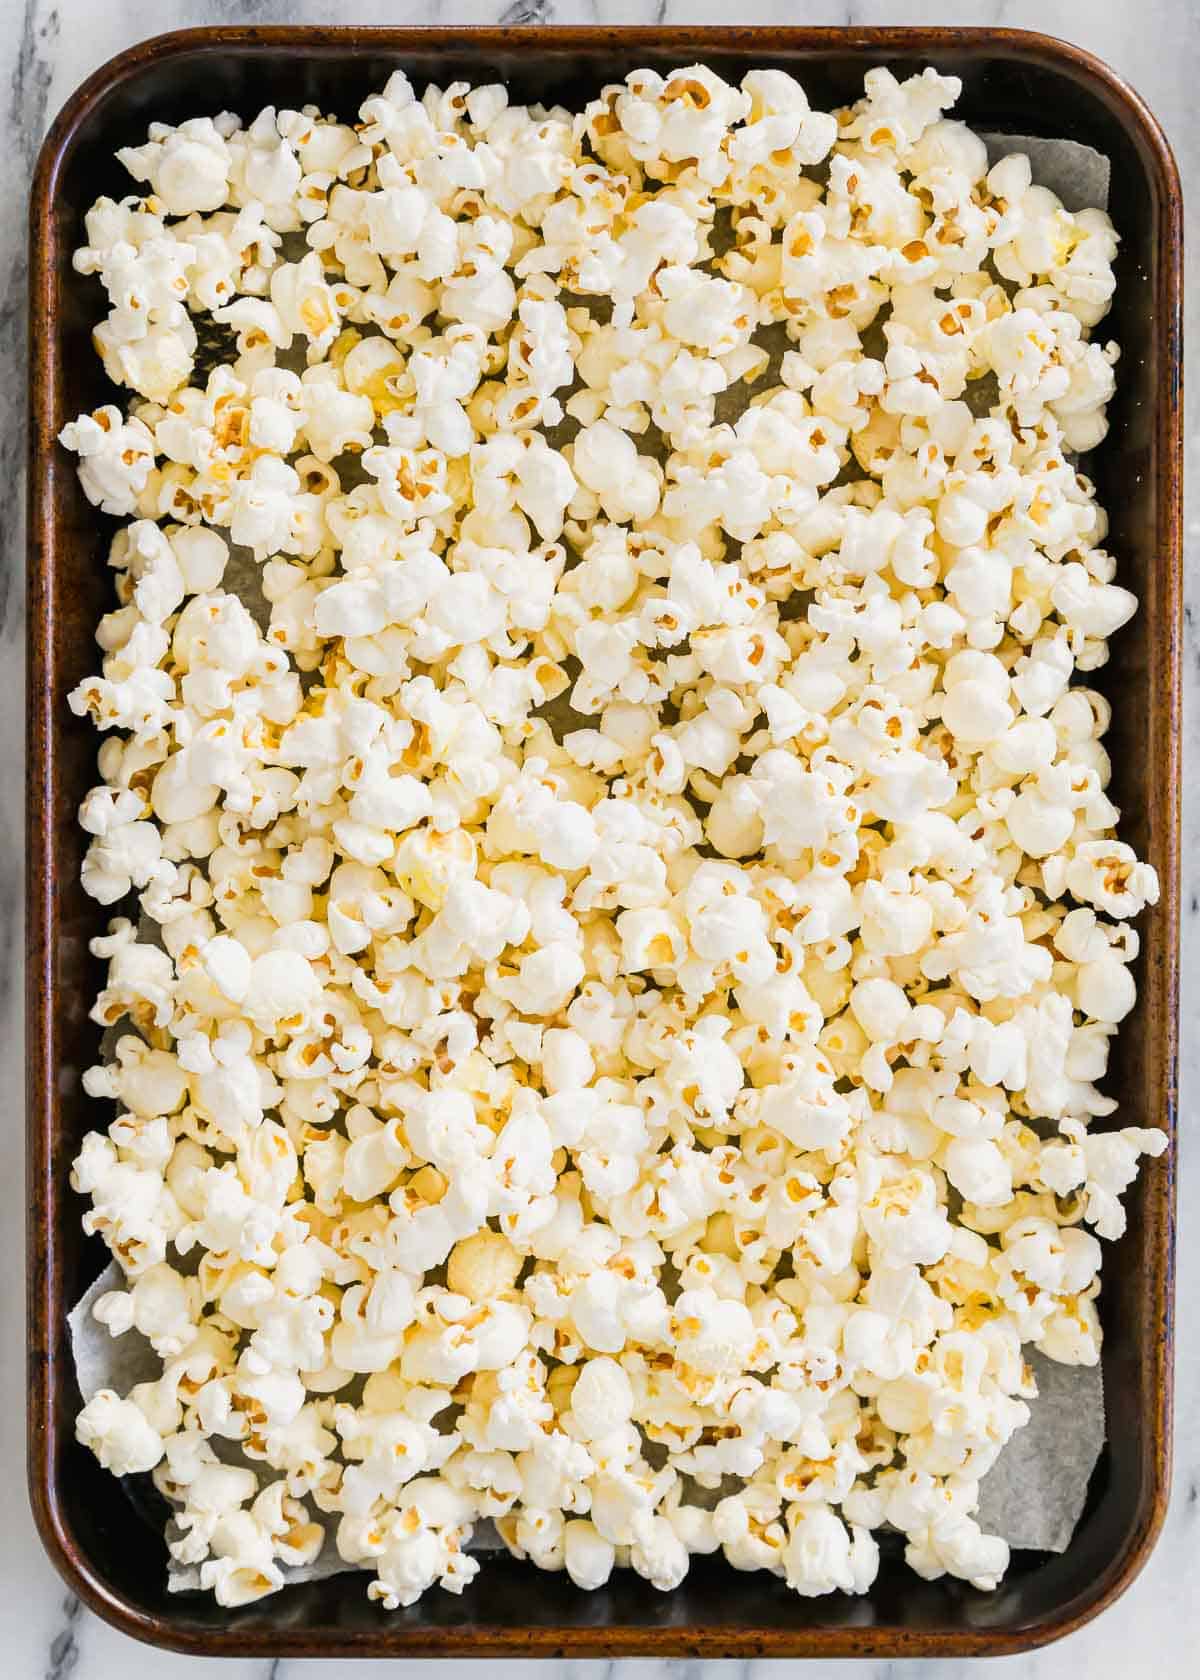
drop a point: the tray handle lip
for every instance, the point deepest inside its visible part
(43, 363)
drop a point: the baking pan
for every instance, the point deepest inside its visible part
(115, 1561)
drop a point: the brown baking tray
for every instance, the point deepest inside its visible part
(111, 1556)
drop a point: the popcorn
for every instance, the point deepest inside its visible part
(116, 457)
(637, 920)
(1038, 826)
(186, 167)
(265, 170)
(979, 1172)
(587, 1556)
(823, 1555)
(605, 460)
(1108, 875)
(483, 1266)
(281, 989)
(119, 1434)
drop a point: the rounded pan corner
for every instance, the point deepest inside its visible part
(93, 88)
(123, 66)
(1110, 1585)
(75, 1570)
(1079, 62)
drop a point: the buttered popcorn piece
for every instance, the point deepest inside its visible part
(630, 925)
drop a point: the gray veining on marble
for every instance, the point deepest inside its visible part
(45, 50)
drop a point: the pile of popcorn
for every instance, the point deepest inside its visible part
(626, 924)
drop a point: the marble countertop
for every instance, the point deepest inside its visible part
(45, 51)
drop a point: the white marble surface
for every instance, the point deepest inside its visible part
(45, 50)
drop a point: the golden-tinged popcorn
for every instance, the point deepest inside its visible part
(629, 920)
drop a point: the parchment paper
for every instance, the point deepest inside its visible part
(1035, 1493)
